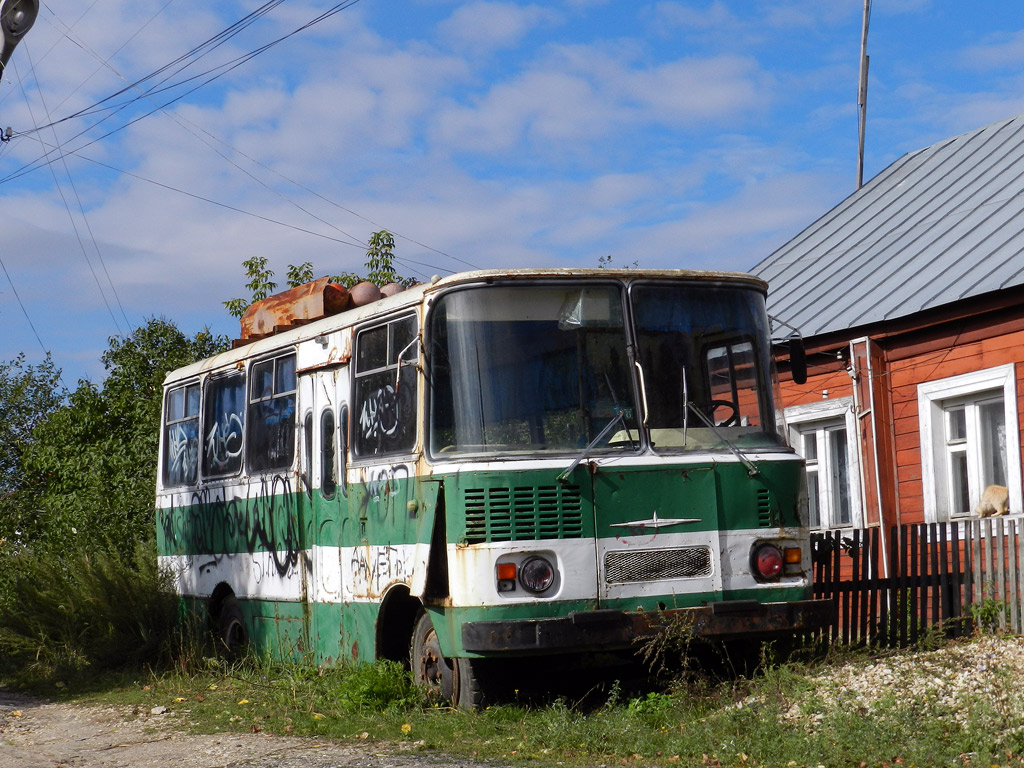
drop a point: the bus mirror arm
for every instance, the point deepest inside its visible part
(686, 402)
(402, 361)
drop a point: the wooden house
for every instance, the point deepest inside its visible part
(910, 297)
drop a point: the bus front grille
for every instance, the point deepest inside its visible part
(523, 512)
(626, 566)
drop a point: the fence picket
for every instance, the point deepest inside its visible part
(937, 572)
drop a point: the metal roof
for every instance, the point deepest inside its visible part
(941, 224)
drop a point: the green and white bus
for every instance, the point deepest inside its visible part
(493, 465)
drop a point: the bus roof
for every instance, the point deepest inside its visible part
(414, 295)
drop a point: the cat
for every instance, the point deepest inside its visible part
(995, 501)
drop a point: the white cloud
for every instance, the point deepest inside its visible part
(1004, 50)
(582, 94)
(485, 26)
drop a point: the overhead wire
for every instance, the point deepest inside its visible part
(74, 225)
(220, 71)
(21, 304)
(190, 58)
(103, 62)
(185, 60)
(197, 53)
(349, 242)
(219, 38)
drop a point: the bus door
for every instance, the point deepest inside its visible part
(656, 535)
(324, 440)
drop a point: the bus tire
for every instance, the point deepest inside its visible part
(454, 680)
(231, 634)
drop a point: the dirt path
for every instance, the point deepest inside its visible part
(35, 734)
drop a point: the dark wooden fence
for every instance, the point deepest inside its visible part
(941, 577)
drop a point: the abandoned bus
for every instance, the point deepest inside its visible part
(488, 466)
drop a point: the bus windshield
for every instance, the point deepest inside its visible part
(534, 368)
(524, 369)
(708, 346)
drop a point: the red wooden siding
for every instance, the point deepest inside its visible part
(906, 372)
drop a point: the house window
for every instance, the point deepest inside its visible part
(965, 421)
(825, 435)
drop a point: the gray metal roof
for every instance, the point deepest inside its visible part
(939, 225)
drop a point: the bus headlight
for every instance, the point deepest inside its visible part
(766, 562)
(536, 574)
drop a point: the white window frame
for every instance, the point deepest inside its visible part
(930, 398)
(819, 416)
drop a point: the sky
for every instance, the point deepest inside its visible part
(156, 144)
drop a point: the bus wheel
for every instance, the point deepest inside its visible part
(454, 680)
(231, 628)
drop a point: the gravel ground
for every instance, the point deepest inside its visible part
(950, 682)
(35, 734)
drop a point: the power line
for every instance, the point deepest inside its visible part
(190, 58)
(350, 242)
(104, 62)
(22, 305)
(198, 52)
(74, 226)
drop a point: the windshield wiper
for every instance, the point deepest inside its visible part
(752, 469)
(620, 418)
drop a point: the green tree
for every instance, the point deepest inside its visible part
(380, 260)
(299, 275)
(380, 266)
(28, 395)
(90, 468)
(261, 284)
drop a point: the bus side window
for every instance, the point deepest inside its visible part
(181, 435)
(385, 388)
(223, 420)
(343, 449)
(307, 457)
(328, 449)
(272, 416)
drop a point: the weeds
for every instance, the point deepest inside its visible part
(788, 714)
(990, 615)
(86, 613)
(76, 620)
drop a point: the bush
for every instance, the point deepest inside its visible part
(86, 612)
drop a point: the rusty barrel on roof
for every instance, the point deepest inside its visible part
(296, 306)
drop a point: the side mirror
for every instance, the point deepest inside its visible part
(16, 18)
(797, 360)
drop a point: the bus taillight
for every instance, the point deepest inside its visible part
(766, 562)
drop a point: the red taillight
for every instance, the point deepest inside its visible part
(767, 562)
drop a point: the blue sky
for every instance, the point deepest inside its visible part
(494, 134)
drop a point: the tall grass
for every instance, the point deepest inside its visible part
(77, 618)
(82, 613)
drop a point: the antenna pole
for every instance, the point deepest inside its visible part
(862, 94)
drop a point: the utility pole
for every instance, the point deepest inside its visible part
(16, 18)
(862, 94)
